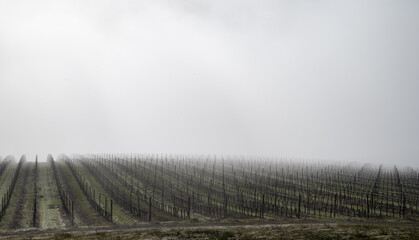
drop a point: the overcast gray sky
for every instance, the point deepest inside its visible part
(334, 80)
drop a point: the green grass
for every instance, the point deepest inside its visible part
(51, 211)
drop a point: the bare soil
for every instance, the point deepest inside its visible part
(257, 230)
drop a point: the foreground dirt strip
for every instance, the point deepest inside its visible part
(217, 230)
(52, 214)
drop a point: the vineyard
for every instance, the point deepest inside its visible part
(131, 190)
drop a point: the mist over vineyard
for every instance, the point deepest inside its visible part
(209, 119)
(130, 190)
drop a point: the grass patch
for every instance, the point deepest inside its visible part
(63, 236)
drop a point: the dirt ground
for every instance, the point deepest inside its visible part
(342, 230)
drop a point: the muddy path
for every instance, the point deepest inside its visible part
(84, 214)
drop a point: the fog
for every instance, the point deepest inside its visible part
(336, 80)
